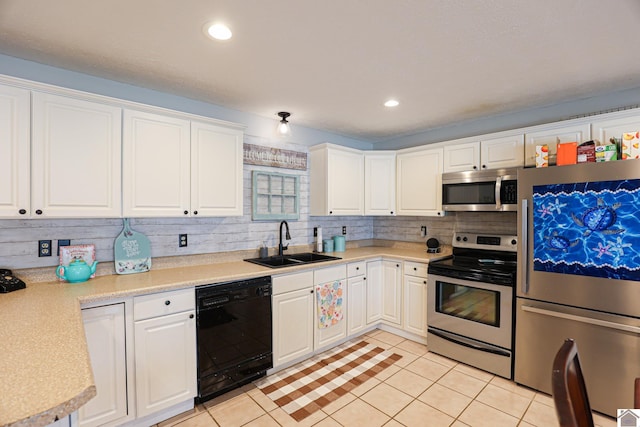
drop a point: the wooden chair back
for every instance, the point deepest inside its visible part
(569, 390)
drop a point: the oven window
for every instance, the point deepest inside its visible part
(469, 193)
(469, 303)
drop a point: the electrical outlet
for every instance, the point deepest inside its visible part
(182, 240)
(61, 242)
(344, 230)
(44, 248)
(423, 231)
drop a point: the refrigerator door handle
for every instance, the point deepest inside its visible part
(582, 319)
(497, 193)
(524, 242)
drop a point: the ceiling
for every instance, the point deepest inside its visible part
(333, 63)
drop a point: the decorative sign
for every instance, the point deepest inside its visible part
(274, 157)
(588, 228)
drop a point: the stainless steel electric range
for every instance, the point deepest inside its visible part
(470, 301)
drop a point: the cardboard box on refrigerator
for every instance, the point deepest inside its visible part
(630, 145)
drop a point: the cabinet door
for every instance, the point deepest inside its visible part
(392, 292)
(462, 157)
(345, 177)
(419, 182)
(165, 361)
(374, 292)
(356, 305)
(503, 152)
(614, 127)
(15, 160)
(105, 331)
(578, 132)
(75, 158)
(379, 183)
(292, 325)
(156, 171)
(415, 305)
(216, 170)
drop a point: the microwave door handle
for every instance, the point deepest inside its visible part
(497, 193)
(524, 243)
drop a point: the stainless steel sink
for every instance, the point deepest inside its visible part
(278, 261)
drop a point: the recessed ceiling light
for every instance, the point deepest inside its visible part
(218, 31)
(391, 103)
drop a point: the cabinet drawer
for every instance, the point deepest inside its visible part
(329, 274)
(415, 269)
(356, 268)
(292, 282)
(160, 304)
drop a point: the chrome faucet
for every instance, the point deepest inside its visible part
(281, 247)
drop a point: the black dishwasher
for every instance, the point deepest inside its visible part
(234, 334)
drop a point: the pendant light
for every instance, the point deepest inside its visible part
(284, 129)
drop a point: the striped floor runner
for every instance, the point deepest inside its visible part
(304, 388)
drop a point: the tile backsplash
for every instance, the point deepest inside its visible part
(19, 237)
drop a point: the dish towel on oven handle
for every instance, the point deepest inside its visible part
(329, 297)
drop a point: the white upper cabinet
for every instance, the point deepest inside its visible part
(551, 135)
(462, 157)
(614, 125)
(419, 182)
(502, 152)
(15, 158)
(216, 170)
(337, 180)
(489, 153)
(379, 183)
(156, 172)
(75, 158)
(174, 167)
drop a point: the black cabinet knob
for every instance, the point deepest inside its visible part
(397, 265)
(167, 302)
(357, 268)
(425, 282)
(191, 316)
(364, 278)
(391, 212)
(38, 212)
(484, 166)
(22, 211)
(195, 212)
(475, 167)
(330, 212)
(415, 269)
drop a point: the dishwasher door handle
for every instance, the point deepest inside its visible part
(582, 319)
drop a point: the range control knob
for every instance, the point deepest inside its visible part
(464, 239)
(514, 241)
(458, 239)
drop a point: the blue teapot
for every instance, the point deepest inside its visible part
(77, 271)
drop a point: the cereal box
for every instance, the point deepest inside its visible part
(630, 145)
(542, 156)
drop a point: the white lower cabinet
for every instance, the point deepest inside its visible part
(392, 292)
(330, 276)
(357, 298)
(165, 350)
(415, 298)
(105, 331)
(292, 311)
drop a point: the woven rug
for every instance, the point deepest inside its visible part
(304, 388)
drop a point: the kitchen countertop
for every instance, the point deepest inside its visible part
(45, 367)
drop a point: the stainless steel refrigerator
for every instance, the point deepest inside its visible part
(579, 276)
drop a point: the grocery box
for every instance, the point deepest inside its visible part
(586, 152)
(567, 153)
(542, 156)
(630, 145)
(606, 153)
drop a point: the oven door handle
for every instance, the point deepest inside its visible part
(466, 343)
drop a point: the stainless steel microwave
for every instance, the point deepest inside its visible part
(488, 190)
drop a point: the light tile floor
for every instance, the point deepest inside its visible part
(421, 389)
